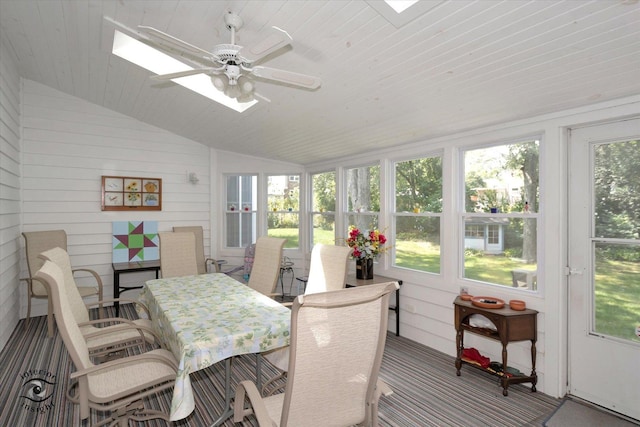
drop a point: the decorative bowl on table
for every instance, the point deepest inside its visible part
(487, 302)
(518, 305)
(466, 297)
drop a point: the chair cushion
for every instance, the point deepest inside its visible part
(274, 407)
(123, 380)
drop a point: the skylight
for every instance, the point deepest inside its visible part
(400, 5)
(401, 12)
(145, 56)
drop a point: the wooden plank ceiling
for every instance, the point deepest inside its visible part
(459, 66)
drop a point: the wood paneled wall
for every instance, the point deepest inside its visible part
(9, 193)
(68, 144)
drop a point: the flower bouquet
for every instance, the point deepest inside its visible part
(366, 246)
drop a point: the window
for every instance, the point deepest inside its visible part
(501, 197)
(283, 199)
(363, 197)
(474, 231)
(417, 214)
(323, 208)
(240, 210)
(493, 234)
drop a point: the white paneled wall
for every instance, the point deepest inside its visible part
(9, 193)
(68, 144)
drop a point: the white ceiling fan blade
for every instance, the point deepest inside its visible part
(175, 43)
(276, 40)
(262, 97)
(289, 77)
(171, 76)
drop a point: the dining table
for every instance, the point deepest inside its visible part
(209, 318)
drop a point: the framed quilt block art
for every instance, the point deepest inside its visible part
(135, 241)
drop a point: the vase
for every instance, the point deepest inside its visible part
(364, 269)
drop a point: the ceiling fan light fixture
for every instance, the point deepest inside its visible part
(238, 88)
(145, 56)
(226, 60)
(245, 97)
(245, 85)
(219, 83)
(233, 91)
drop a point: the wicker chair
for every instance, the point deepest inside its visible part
(114, 334)
(203, 262)
(178, 254)
(37, 242)
(266, 265)
(327, 272)
(118, 386)
(337, 342)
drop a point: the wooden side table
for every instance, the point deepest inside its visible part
(511, 325)
(352, 282)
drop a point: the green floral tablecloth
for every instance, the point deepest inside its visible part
(207, 318)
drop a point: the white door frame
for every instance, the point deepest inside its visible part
(602, 369)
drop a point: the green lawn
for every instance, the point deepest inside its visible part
(485, 268)
(418, 256)
(291, 234)
(617, 296)
(617, 283)
(493, 268)
(326, 237)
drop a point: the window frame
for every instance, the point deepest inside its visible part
(394, 214)
(230, 208)
(346, 213)
(312, 213)
(269, 210)
(463, 214)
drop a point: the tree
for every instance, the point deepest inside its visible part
(472, 182)
(324, 192)
(363, 194)
(419, 184)
(358, 189)
(617, 189)
(525, 158)
(418, 187)
(324, 199)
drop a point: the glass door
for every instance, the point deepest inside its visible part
(604, 265)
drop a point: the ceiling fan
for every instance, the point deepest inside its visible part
(231, 67)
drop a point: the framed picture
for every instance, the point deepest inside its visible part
(135, 241)
(122, 193)
(113, 199)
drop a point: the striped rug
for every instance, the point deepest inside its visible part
(427, 391)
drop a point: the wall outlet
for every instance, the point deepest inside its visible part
(464, 290)
(411, 308)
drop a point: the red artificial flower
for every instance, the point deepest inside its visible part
(366, 245)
